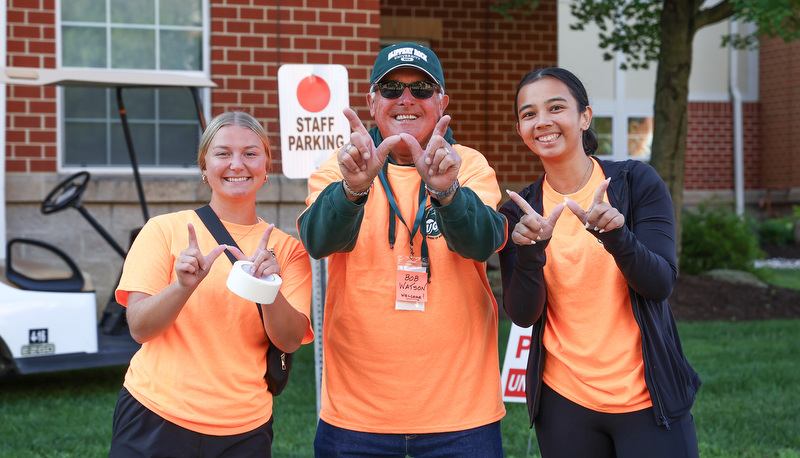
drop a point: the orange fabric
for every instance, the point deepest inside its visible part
(206, 372)
(394, 371)
(593, 345)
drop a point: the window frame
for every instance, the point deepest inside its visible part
(144, 169)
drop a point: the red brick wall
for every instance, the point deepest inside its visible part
(251, 39)
(709, 147)
(31, 111)
(484, 56)
(779, 97)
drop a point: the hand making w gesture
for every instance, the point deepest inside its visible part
(533, 227)
(438, 163)
(264, 261)
(359, 159)
(192, 266)
(600, 216)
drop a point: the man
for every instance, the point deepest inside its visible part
(406, 217)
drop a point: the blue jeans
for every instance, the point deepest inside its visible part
(483, 442)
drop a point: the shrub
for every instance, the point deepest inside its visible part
(779, 231)
(714, 237)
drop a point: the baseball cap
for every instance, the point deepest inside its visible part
(407, 55)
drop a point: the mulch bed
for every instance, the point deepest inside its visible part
(703, 297)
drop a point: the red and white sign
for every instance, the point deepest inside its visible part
(311, 99)
(515, 364)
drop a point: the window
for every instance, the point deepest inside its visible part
(640, 137)
(148, 35)
(601, 125)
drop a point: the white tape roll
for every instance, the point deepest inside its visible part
(242, 282)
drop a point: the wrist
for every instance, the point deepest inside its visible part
(353, 193)
(441, 195)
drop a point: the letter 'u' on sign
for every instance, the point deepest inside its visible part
(311, 99)
(515, 364)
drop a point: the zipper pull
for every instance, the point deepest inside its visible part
(283, 361)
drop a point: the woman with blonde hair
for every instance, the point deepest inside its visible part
(196, 387)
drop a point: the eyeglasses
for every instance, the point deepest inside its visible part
(419, 89)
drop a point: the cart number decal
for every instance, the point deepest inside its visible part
(37, 336)
(38, 343)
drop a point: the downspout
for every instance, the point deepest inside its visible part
(738, 131)
(3, 57)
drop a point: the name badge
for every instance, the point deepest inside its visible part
(412, 283)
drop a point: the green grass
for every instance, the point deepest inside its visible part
(785, 278)
(748, 406)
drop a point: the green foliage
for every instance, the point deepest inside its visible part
(508, 7)
(779, 231)
(714, 237)
(774, 18)
(634, 27)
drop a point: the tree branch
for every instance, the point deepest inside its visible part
(721, 11)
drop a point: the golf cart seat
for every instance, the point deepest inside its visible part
(52, 271)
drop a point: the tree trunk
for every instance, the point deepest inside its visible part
(670, 111)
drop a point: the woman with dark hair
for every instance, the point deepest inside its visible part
(197, 387)
(606, 372)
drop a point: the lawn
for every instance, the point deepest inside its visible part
(748, 405)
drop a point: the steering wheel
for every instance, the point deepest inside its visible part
(66, 194)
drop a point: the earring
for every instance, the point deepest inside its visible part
(204, 179)
(266, 176)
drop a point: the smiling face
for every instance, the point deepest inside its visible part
(549, 120)
(407, 114)
(236, 163)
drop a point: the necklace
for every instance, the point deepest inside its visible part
(585, 176)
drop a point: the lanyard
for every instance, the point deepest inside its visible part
(394, 213)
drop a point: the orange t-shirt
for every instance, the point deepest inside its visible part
(401, 371)
(206, 372)
(593, 351)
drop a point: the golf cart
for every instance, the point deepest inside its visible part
(48, 306)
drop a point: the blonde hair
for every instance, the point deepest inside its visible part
(231, 118)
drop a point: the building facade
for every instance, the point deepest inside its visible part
(52, 132)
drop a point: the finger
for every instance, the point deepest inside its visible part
(556, 213)
(262, 245)
(601, 191)
(438, 160)
(237, 253)
(413, 146)
(522, 203)
(208, 261)
(346, 162)
(355, 122)
(441, 126)
(527, 231)
(576, 209)
(192, 237)
(450, 160)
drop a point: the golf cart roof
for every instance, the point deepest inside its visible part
(99, 78)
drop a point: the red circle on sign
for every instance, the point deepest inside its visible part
(313, 93)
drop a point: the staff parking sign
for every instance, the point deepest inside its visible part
(311, 99)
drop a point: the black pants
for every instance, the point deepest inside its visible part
(138, 432)
(564, 428)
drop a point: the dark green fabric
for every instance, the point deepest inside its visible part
(331, 224)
